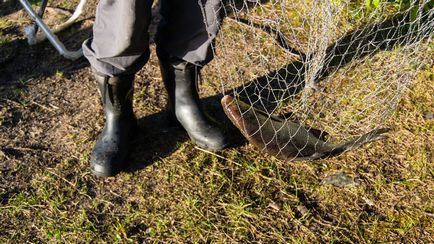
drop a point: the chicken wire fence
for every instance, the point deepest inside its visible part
(337, 65)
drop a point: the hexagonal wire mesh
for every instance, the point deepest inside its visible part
(337, 65)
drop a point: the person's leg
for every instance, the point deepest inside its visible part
(188, 28)
(120, 42)
(184, 45)
(118, 49)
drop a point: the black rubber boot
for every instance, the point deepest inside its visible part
(180, 79)
(111, 149)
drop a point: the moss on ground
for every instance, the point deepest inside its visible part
(175, 192)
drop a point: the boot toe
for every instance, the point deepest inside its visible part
(103, 170)
(104, 164)
(107, 158)
(213, 140)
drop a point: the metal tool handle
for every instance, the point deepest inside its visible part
(31, 32)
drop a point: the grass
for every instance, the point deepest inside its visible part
(239, 195)
(4, 24)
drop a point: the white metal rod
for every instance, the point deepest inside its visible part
(50, 36)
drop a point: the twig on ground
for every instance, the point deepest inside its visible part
(328, 224)
(33, 102)
(22, 148)
(3, 155)
(11, 101)
(215, 154)
(62, 178)
(70, 183)
(42, 106)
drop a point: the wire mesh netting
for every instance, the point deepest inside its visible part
(340, 66)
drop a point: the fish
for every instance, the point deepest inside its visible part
(286, 139)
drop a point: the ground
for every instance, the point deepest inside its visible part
(172, 191)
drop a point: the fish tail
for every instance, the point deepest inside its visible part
(373, 135)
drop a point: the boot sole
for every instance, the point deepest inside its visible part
(104, 172)
(206, 146)
(173, 121)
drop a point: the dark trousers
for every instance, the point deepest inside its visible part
(120, 42)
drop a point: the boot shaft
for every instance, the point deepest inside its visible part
(180, 79)
(116, 94)
(117, 99)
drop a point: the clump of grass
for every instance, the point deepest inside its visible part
(238, 195)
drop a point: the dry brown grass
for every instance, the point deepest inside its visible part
(50, 122)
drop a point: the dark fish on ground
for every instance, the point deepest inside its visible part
(286, 139)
